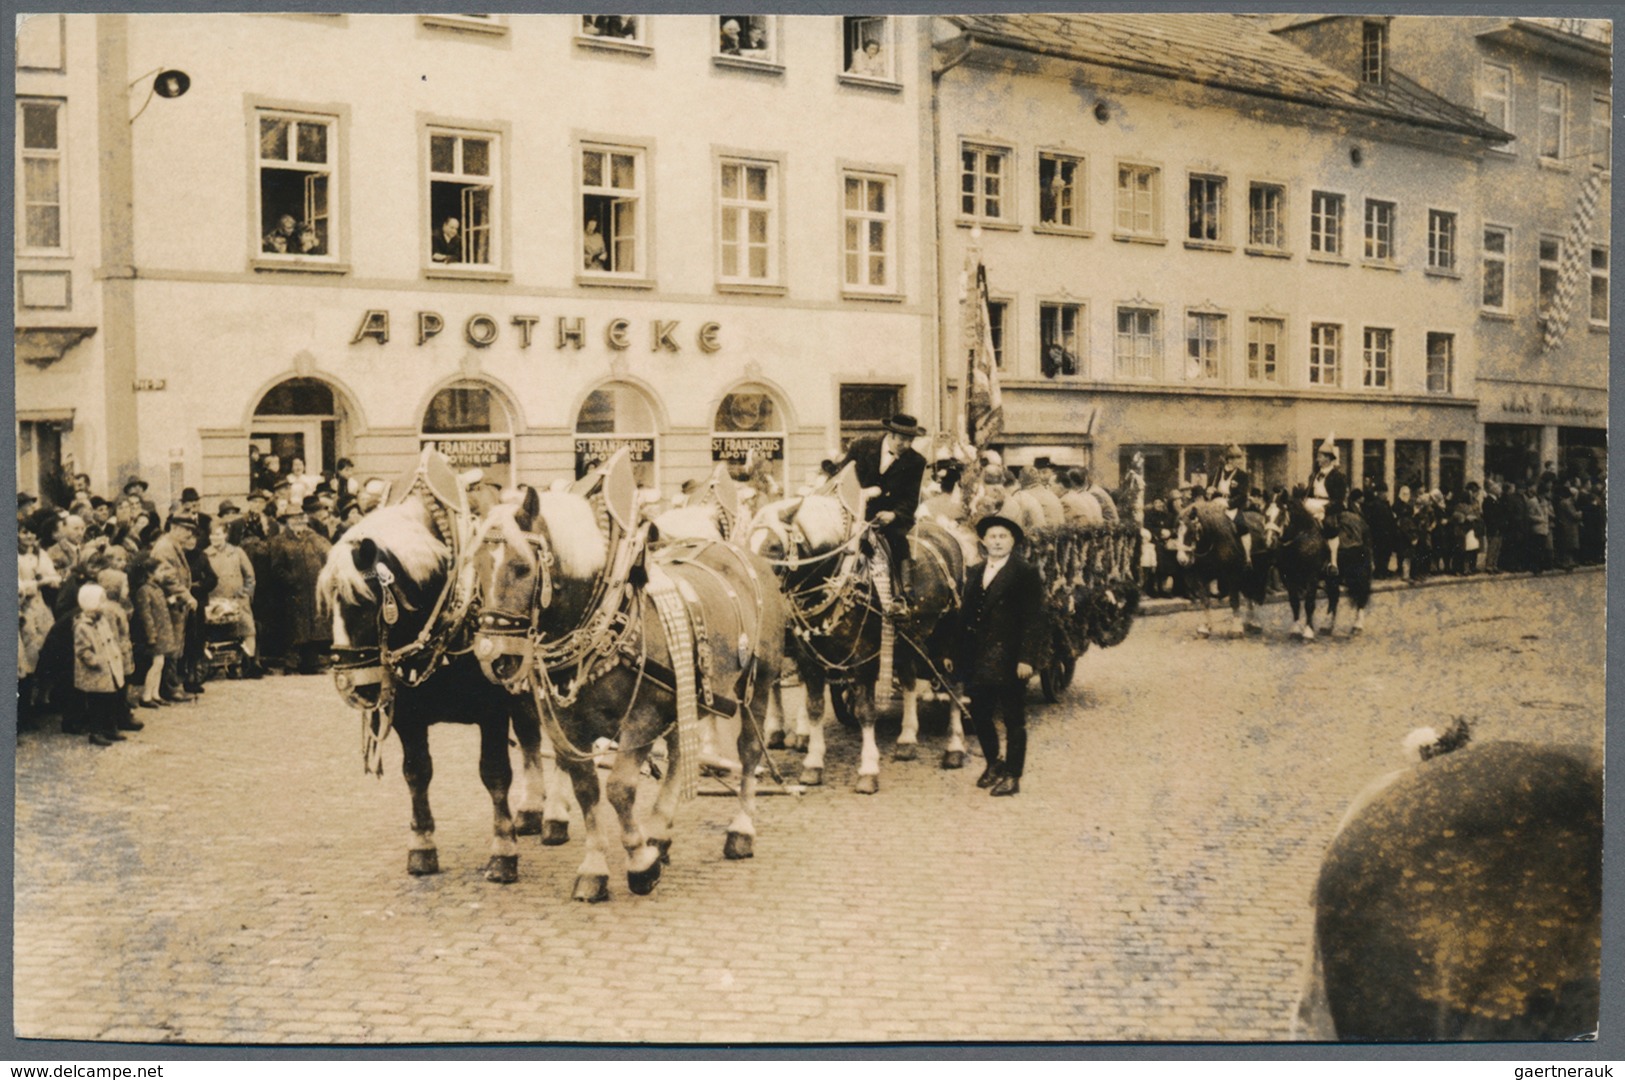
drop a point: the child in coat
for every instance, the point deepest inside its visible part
(98, 665)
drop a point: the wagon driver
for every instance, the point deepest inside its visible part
(891, 471)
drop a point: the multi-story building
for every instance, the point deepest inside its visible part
(526, 239)
(1197, 233)
(1543, 201)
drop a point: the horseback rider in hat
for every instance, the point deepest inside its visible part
(1328, 484)
(1233, 486)
(891, 471)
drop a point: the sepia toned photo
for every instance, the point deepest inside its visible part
(559, 530)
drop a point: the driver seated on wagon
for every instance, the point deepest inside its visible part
(891, 471)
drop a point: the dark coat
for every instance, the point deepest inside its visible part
(294, 563)
(1001, 627)
(154, 626)
(1240, 485)
(899, 485)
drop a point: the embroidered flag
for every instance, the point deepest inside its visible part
(1576, 260)
(985, 405)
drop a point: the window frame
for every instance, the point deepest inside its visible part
(1215, 198)
(1602, 118)
(1374, 62)
(28, 36)
(642, 276)
(490, 25)
(1315, 372)
(1221, 361)
(1156, 233)
(892, 80)
(1562, 113)
(1391, 259)
(1009, 216)
(1257, 321)
(1554, 266)
(1504, 258)
(1444, 239)
(1592, 277)
(1155, 337)
(774, 282)
(637, 45)
(772, 62)
(1003, 331)
(1282, 217)
(59, 155)
(1449, 373)
(1375, 375)
(498, 138)
(1508, 102)
(893, 178)
(1079, 311)
(337, 119)
(1341, 255)
(1080, 192)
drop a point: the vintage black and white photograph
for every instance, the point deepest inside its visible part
(805, 529)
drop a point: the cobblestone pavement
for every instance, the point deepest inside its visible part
(229, 876)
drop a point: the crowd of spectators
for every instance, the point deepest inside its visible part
(120, 608)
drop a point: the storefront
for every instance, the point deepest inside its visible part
(1528, 427)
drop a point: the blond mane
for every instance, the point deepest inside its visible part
(578, 542)
(403, 530)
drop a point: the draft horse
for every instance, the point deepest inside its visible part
(1211, 552)
(401, 643)
(580, 618)
(837, 622)
(1462, 900)
(1301, 559)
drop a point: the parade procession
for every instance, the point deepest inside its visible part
(893, 529)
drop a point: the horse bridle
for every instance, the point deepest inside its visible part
(507, 633)
(355, 668)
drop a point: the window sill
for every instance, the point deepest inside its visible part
(1267, 252)
(1436, 272)
(885, 298)
(870, 82)
(300, 266)
(742, 63)
(749, 288)
(44, 253)
(466, 273)
(984, 223)
(1207, 245)
(1497, 316)
(1598, 328)
(465, 23)
(1135, 238)
(613, 45)
(1062, 230)
(605, 281)
(1553, 164)
(1327, 260)
(1380, 264)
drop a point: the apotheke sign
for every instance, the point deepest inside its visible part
(569, 332)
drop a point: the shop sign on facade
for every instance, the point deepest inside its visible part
(473, 453)
(482, 330)
(1529, 406)
(593, 452)
(738, 448)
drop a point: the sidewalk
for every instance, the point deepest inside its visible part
(1174, 605)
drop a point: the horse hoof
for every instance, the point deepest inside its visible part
(527, 823)
(423, 861)
(502, 869)
(812, 777)
(643, 882)
(906, 752)
(592, 888)
(738, 846)
(953, 759)
(665, 849)
(1309, 633)
(775, 741)
(555, 833)
(868, 784)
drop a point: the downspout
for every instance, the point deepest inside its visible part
(962, 49)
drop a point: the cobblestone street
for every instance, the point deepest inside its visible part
(228, 875)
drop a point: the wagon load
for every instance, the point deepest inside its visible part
(1090, 592)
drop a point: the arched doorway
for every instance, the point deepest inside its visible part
(748, 433)
(469, 423)
(299, 419)
(616, 415)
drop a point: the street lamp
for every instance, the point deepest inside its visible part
(168, 83)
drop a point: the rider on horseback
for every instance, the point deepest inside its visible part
(1328, 484)
(890, 470)
(1233, 487)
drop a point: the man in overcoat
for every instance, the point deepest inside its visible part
(1001, 637)
(296, 557)
(891, 472)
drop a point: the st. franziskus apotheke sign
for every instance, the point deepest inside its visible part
(480, 330)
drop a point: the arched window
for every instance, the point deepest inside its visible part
(613, 416)
(468, 423)
(748, 434)
(298, 420)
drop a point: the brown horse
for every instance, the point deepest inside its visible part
(598, 632)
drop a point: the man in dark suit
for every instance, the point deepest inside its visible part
(1330, 484)
(1233, 486)
(891, 471)
(1001, 636)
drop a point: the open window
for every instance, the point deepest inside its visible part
(462, 198)
(748, 38)
(866, 48)
(297, 172)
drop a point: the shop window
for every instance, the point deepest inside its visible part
(1551, 251)
(749, 435)
(1373, 462)
(1374, 53)
(1139, 201)
(1264, 340)
(1326, 223)
(1452, 466)
(40, 164)
(1441, 240)
(627, 29)
(983, 190)
(1325, 354)
(298, 176)
(1205, 203)
(1441, 363)
(1380, 217)
(618, 415)
(1139, 343)
(1378, 356)
(1207, 345)
(1266, 217)
(612, 210)
(866, 47)
(1497, 242)
(865, 407)
(1060, 191)
(1495, 97)
(1060, 329)
(748, 214)
(1512, 451)
(1599, 286)
(747, 37)
(462, 198)
(1553, 139)
(868, 226)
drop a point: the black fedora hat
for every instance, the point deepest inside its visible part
(991, 520)
(904, 424)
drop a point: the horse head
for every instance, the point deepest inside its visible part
(383, 582)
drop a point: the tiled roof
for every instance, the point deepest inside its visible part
(1235, 52)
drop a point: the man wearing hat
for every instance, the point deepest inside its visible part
(1329, 484)
(999, 647)
(137, 487)
(173, 549)
(295, 558)
(891, 471)
(1233, 486)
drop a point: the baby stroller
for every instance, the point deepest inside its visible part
(223, 652)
